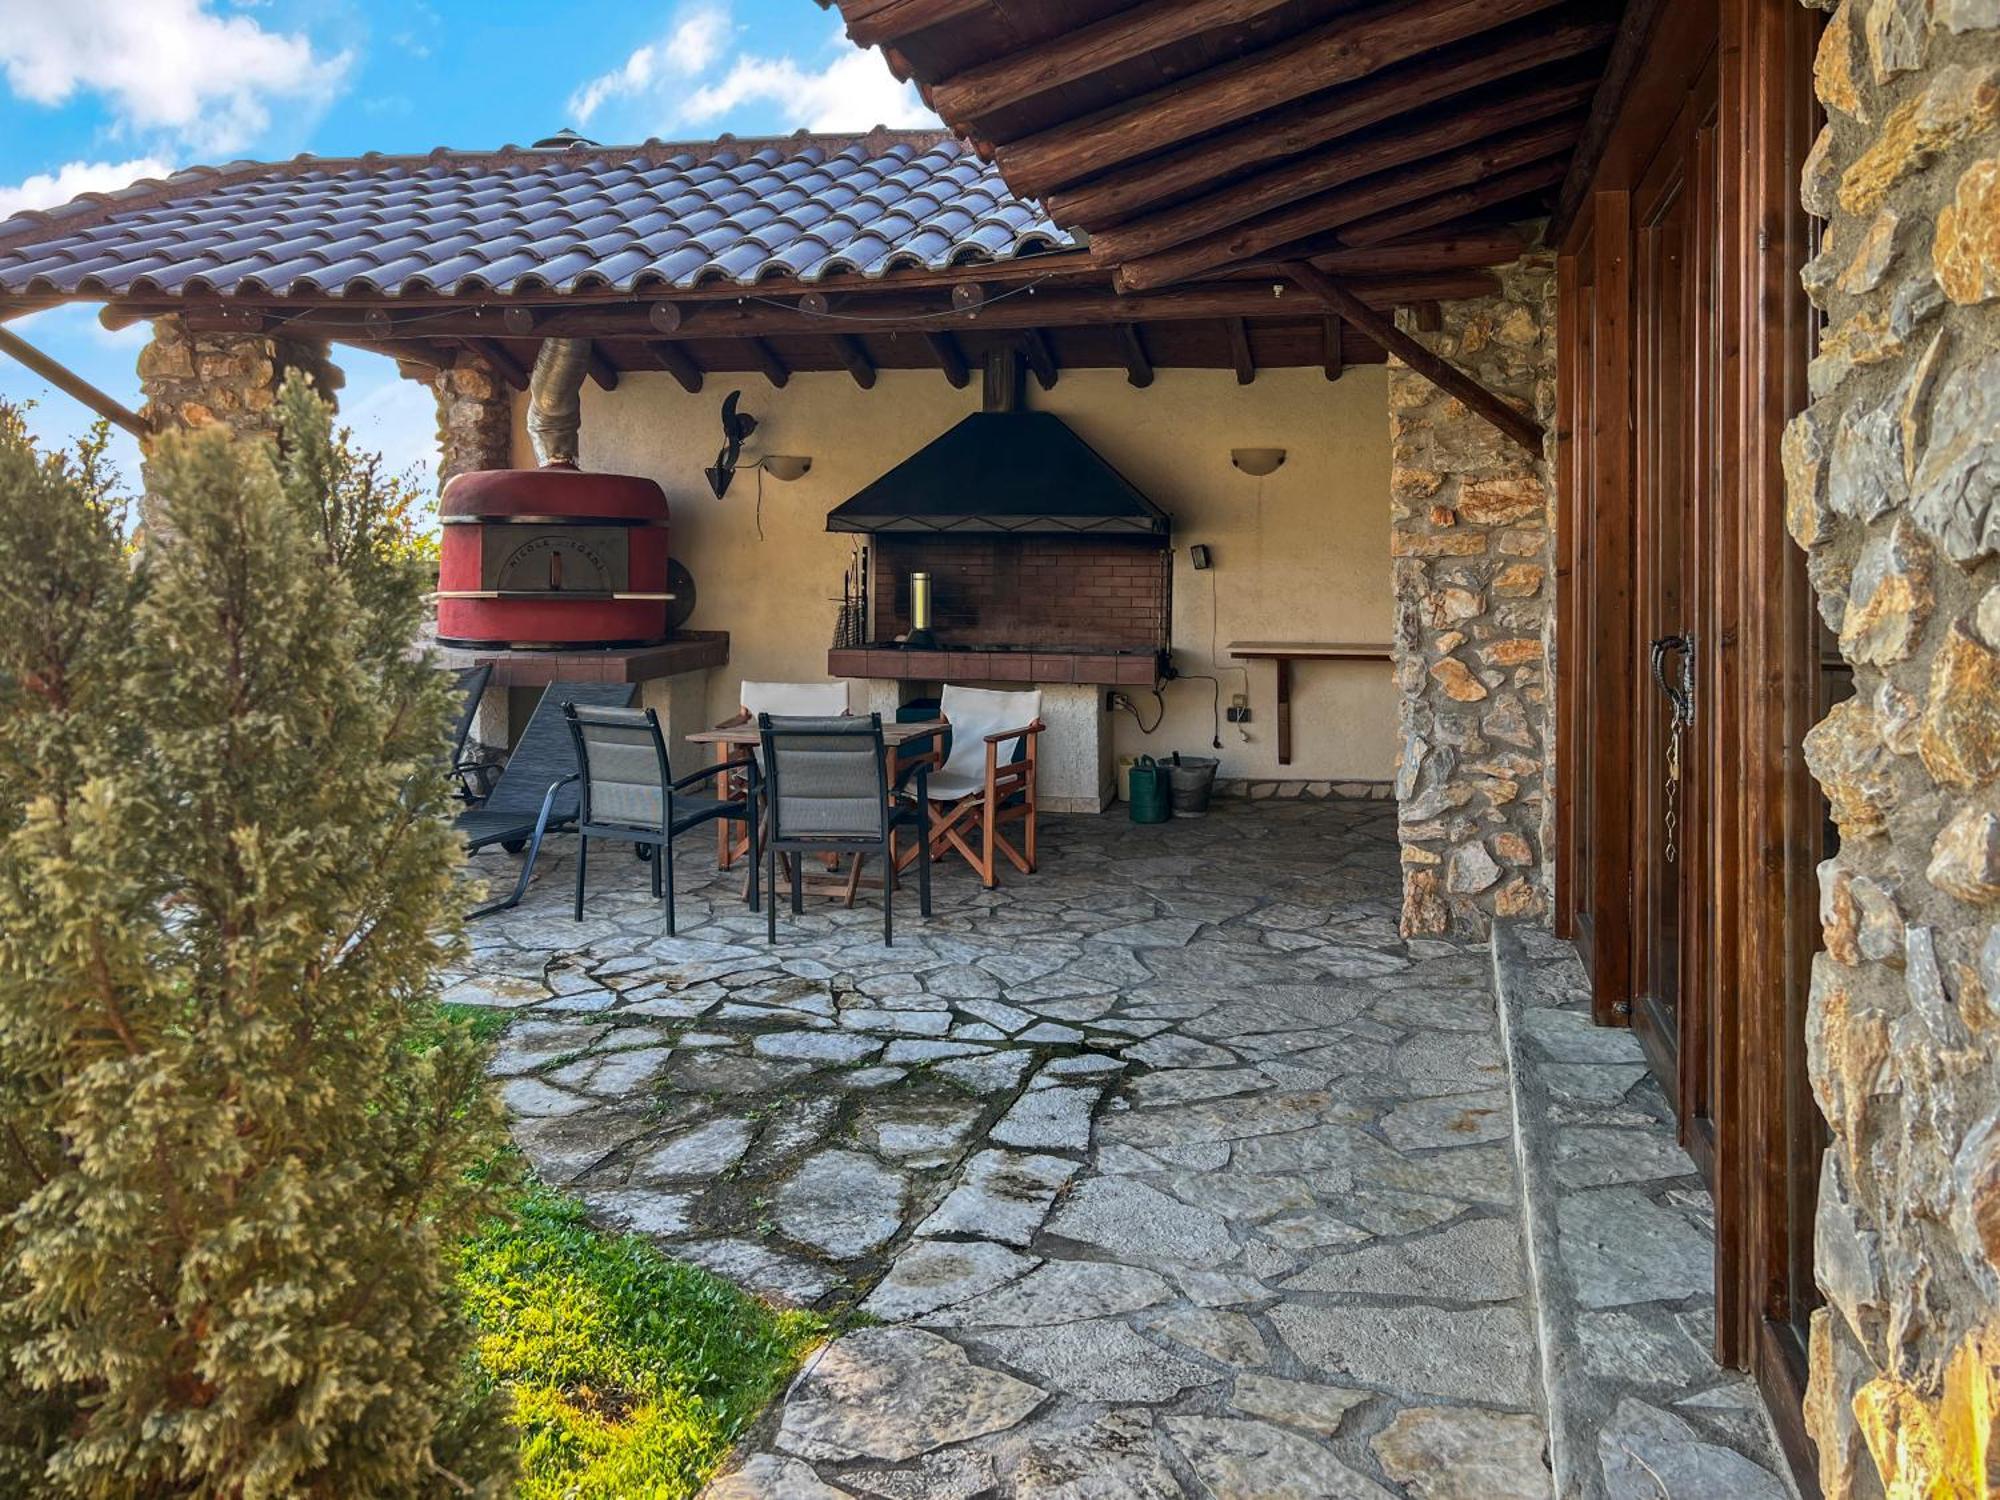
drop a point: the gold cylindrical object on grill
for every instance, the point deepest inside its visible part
(920, 601)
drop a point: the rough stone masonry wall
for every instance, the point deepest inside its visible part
(1470, 532)
(475, 417)
(193, 379)
(1893, 473)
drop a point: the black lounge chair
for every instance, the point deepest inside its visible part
(630, 793)
(474, 776)
(536, 794)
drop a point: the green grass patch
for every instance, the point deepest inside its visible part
(485, 1021)
(632, 1374)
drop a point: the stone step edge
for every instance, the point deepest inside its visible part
(1555, 1336)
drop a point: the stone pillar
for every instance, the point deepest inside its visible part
(192, 379)
(475, 418)
(1893, 488)
(1470, 532)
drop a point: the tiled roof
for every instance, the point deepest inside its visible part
(533, 221)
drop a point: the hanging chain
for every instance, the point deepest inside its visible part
(1681, 696)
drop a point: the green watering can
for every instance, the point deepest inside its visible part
(1151, 800)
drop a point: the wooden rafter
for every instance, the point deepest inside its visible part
(677, 362)
(1117, 196)
(1341, 51)
(950, 359)
(1634, 29)
(1132, 349)
(874, 23)
(602, 370)
(854, 359)
(1120, 38)
(1333, 358)
(1271, 232)
(768, 361)
(1445, 207)
(1041, 357)
(1322, 171)
(1503, 414)
(73, 385)
(1239, 350)
(502, 359)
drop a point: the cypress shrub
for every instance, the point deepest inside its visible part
(237, 1148)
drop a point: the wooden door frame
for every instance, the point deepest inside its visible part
(1759, 658)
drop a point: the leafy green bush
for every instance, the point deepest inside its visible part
(631, 1374)
(234, 1146)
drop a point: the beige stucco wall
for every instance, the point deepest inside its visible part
(1301, 555)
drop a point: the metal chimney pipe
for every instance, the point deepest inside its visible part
(555, 417)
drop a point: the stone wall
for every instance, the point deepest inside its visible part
(1893, 474)
(193, 379)
(475, 421)
(1470, 533)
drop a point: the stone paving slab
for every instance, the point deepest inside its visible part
(1620, 1232)
(1171, 1171)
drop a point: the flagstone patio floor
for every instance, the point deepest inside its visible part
(1170, 1171)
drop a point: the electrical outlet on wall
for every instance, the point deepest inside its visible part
(1239, 709)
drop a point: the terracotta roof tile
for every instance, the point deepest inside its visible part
(582, 217)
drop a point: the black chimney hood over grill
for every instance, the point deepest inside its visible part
(1019, 473)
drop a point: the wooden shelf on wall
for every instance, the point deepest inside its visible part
(1284, 653)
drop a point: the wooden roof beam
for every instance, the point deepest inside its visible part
(73, 385)
(854, 359)
(1634, 30)
(1333, 358)
(602, 370)
(1447, 377)
(678, 363)
(1323, 211)
(1344, 49)
(1312, 122)
(1132, 349)
(873, 23)
(768, 361)
(1387, 229)
(1323, 171)
(1041, 68)
(502, 359)
(950, 359)
(1239, 350)
(1041, 358)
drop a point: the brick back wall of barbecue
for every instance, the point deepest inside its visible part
(1025, 591)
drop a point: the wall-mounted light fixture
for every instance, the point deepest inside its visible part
(785, 466)
(1257, 461)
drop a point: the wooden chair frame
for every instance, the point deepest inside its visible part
(974, 824)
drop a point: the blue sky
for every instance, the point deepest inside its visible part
(97, 93)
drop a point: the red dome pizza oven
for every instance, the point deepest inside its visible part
(552, 559)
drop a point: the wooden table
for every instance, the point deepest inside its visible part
(731, 738)
(1284, 653)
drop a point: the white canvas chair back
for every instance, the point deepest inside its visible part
(803, 700)
(973, 714)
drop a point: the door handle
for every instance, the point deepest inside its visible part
(1680, 693)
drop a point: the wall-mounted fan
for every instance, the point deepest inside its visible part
(736, 426)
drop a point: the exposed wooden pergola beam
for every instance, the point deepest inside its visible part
(1117, 196)
(677, 362)
(1444, 208)
(73, 385)
(1341, 51)
(950, 358)
(1269, 232)
(1041, 358)
(874, 23)
(1088, 50)
(1333, 359)
(1515, 423)
(502, 359)
(602, 370)
(1634, 29)
(854, 359)
(1239, 350)
(1325, 170)
(1132, 349)
(767, 360)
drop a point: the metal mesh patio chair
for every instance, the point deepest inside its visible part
(631, 794)
(536, 793)
(827, 791)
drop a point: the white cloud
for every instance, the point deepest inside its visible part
(698, 36)
(853, 92)
(171, 68)
(670, 84)
(46, 189)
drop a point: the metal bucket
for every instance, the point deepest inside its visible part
(1191, 781)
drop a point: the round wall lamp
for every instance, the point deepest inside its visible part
(786, 466)
(1257, 461)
